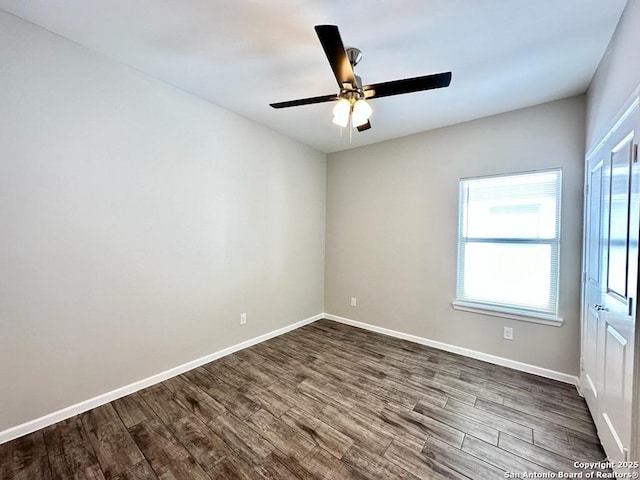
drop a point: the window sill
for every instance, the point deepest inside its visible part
(496, 311)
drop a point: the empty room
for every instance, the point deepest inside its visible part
(319, 240)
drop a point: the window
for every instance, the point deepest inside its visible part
(508, 245)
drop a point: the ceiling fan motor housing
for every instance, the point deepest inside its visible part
(354, 55)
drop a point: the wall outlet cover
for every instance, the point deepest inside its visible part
(508, 333)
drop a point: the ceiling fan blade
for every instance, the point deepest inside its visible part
(304, 101)
(407, 85)
(364, 127)
(334, 49)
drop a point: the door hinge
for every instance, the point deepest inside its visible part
(586, 189)
(635, 153)
(584, 277)
(581, 364)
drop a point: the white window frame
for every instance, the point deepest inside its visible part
(500, 310)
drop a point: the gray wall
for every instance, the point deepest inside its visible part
(136, 223)
(617, 76)
(392, 226)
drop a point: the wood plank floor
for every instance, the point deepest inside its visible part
(326, 401)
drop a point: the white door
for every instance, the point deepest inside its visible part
(610, 287)
(595, 265)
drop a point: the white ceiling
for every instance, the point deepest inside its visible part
(245, 54)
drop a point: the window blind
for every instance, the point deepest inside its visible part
(509, 241)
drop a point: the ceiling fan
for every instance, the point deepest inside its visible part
(351, 100)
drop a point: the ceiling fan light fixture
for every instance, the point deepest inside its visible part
(341, 112)
(361, 113)
(352, 107)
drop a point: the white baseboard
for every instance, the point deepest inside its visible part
(505, 362)
(58, 416)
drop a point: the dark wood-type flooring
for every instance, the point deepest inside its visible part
(326, 401)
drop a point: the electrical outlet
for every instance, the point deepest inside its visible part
(354, 302)
(243, 318)
(508, 333)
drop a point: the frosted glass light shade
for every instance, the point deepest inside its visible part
(341, 112)
(361, 113)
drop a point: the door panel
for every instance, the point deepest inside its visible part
(617, 313)
(594, 259)
(617, 422)
(619, 219)
(595, 264)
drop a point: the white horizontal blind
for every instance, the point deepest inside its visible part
(509, 241)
